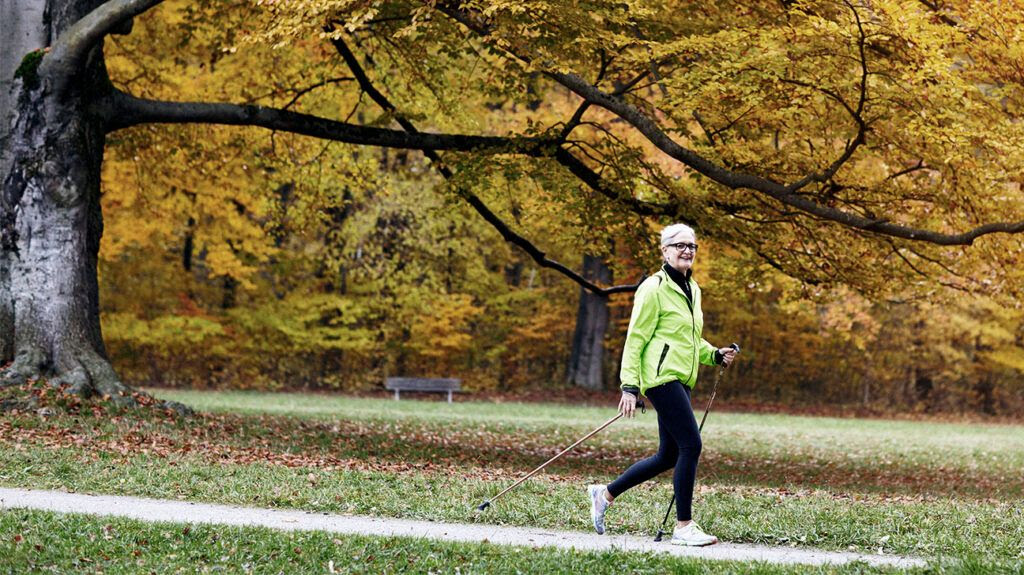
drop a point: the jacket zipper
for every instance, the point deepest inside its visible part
(693, 336)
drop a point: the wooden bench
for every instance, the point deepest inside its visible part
(444, 385)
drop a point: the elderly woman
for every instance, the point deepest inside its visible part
(663, 348)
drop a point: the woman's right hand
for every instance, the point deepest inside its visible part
(627, 404)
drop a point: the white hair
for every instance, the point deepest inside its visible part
(674, 230)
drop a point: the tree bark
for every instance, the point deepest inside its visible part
(986, 394)
(6, 314)
(586, 364)
(24, 32)
(52, 224)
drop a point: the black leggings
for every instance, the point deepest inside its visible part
(679, 447)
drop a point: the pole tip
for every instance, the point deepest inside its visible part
(657, 538)
(483, 506)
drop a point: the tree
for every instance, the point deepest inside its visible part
(586, 362)
(61, 108)
(775, 126)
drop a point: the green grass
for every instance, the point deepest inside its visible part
(863, 456)
(995, 446)
(920, 488)
(946, 528)
(43, 542)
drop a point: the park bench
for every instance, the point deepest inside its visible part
(399, 384)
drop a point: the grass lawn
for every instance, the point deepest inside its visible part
(922, 488)
(41, 542)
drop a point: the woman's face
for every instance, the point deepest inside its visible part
(680, 259)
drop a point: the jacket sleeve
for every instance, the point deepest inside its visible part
(708, 353)
(642, 322)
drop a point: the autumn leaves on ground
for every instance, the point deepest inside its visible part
(924, 488)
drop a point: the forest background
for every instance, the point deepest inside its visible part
(240, 258)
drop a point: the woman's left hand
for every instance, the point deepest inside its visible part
(627, 404)
(728, 354)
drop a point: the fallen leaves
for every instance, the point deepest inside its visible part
(45, 400)
(490, 453)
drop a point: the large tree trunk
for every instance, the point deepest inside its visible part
(51, 220)
(586, 364)
(23, 32)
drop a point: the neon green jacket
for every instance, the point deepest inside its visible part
(664, 340)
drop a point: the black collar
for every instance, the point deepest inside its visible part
(681, 279)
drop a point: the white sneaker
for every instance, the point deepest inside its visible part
(693, 536)
(598, 505)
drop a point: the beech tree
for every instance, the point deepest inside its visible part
(839, 141)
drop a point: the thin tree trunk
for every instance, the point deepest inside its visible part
(586, 364)
(986, 394)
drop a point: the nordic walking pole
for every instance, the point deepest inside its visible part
(714, 390)
(487, 503)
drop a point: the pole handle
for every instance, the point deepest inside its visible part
(735, 346)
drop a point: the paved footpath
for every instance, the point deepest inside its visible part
(292, 520)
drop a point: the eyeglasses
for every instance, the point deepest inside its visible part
(683, 246)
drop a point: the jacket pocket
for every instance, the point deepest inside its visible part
(661, 360)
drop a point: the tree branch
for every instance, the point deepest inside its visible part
(937, 10)
(629, 113)
(300, 93)
(481, 208)
(729, 178)
(123, 110)
(625, 88)
(70, 49)
(918, 166)
(573, 122)
(857, 114)
(597, 183)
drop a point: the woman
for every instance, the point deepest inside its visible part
(663, 348)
